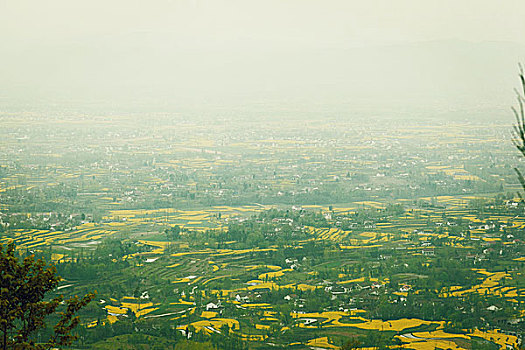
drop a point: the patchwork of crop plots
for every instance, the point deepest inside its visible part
(200, 274)
(336, 230)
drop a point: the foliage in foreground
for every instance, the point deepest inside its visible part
(23, 308)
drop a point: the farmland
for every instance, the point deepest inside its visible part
(280, 234)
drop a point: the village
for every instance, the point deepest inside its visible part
(303, 238)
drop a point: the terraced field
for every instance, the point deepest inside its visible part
(277, 235)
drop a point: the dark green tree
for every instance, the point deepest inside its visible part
(24, 284)
(351, 344)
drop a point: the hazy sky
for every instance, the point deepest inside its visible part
(282, 22)
(263, 49)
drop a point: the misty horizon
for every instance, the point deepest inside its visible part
(196, 58)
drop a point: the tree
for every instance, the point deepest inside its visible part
(518, 134)
(351, 344)
(23, 308)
